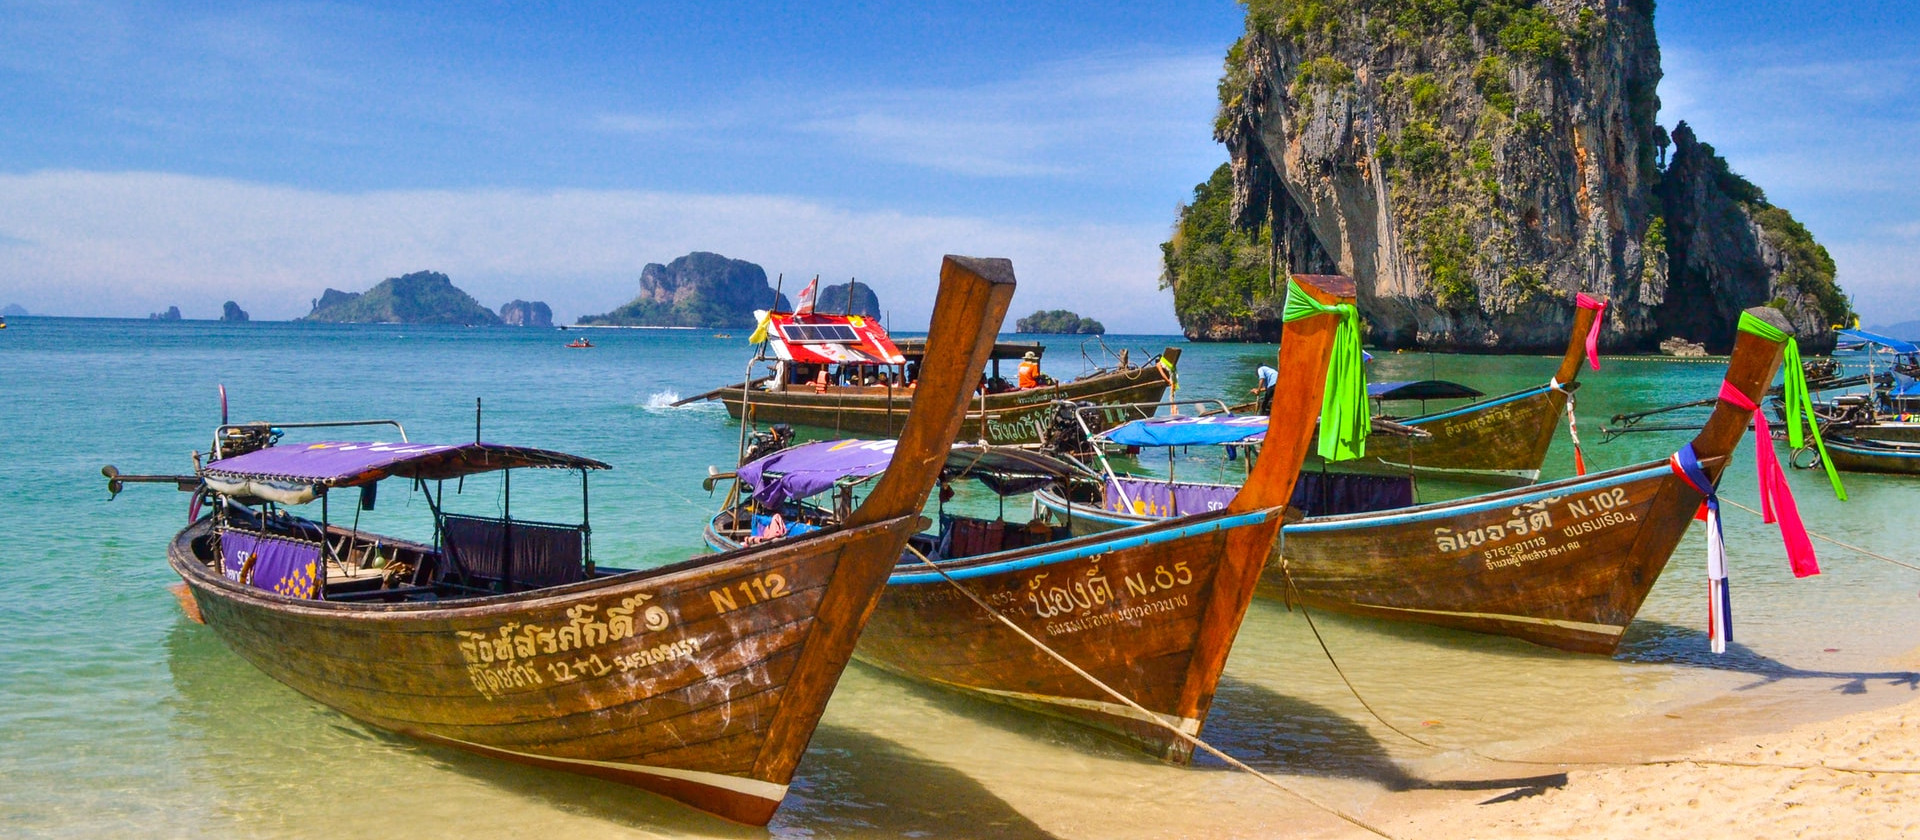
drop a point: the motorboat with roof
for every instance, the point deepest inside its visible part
(847, 374)
(701, 680)
(1126, 631)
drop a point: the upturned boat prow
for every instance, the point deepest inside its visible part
(1500, 440)
(1565, 564)
(1149, 611)
(702, 681)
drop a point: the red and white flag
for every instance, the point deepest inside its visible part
(806, 298)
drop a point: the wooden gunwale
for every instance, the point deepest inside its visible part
(1869, 456)
(1161, 638)
(1464, 445)
(1398, 564)
(652, 714)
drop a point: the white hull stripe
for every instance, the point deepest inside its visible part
(1583, 626)
(750, 787)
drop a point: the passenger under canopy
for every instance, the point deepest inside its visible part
(814, 468)
(299, 473)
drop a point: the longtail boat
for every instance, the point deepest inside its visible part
(1150, 611)
(1872, 455)
(701, 681)
(846, 374)
(1564, 564)
(1500, 440)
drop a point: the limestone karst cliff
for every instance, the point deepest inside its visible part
(520, 313)
(852, 298)
(1472, 164)
(231, 313)
(701, 289)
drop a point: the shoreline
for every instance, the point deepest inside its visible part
(1735, 767)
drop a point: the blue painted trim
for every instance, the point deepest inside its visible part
(1435, 510)
(1117, 542)
(1873, 451)
(1479, 406)
(1446, 510)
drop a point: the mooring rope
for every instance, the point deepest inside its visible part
(1148, 714)
(1820, 536)
(1351, 689)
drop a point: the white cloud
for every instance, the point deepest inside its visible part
(92, 243)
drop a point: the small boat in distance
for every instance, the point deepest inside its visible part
(580, 343)
(701, 681)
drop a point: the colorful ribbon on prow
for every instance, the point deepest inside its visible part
(1794, 393)
(1776, 498)
(1344, 415)
(1599, 308)
(1719, 596)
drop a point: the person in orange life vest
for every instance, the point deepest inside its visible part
(1029, 371)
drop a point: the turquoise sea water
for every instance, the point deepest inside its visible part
(121, 718)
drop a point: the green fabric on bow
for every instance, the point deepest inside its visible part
(1794, 393)
(1344, 418)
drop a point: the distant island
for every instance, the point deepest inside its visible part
(423, 297)
(172, 314)
(1059, 321)
(834, 299)
(231, 313)
(521, 313)
(701, 289)
(12, 310)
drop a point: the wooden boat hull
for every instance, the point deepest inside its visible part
(1132, 610)
(1878, 455)
(1565, 564)
(701, 682)
(1008, 418)
(1498, 441)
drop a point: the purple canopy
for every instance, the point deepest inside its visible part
(814, 468)
(346, 464)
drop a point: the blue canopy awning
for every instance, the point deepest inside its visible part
(1894, 344)
(1210, 430)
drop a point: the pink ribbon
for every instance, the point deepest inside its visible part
(1776, 498)
(1599, 308)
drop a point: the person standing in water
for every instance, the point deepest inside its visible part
(1269, 379)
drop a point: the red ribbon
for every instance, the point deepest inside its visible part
(1776, 498)
(1599, 308)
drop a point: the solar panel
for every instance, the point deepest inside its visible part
(819, 332)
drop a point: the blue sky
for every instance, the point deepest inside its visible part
(167, 153)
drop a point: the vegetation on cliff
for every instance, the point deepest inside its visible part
(423, 297)
(1472, 164)
(850, 298)
(1059, 321)
(1221, 274)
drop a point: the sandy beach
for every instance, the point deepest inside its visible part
(1852, 777)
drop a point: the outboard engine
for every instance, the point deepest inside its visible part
(1065, 436)
(762, 444)
(245, 438)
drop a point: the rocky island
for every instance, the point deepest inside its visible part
(423, 297)
(172, 314)
(701, 289)
(520, 313)
(1059, 321)
(231, 313)
(12, 310)
(1473, 166)
(850, 298)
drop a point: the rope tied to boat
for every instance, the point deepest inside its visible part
(1146, 714)
(1799, 402)
(1573, 426)
(1686, 464)
(1599, 307)
(1344, 415)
